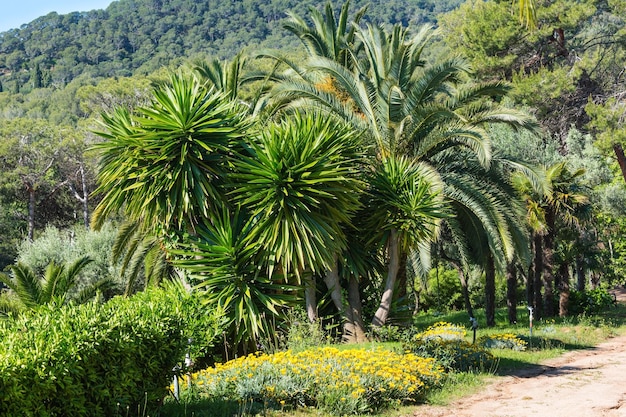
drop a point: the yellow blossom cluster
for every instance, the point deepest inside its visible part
(442, 330)
(341, 381)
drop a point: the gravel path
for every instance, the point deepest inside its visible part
(584, 383)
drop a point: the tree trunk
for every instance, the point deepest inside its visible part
(563, 290)
(464, 289)
(31, 211)
(548, 263)
(490, 291)
(331, 279)
(85, 197)
(511, 292)
(580, 273)
(530, 278)
(380, 317)
(537, 281)
(621, 159)
(356, 310)
(310, 298)
(350, 331)
(402, 278)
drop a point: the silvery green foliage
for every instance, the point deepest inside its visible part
(67, 245)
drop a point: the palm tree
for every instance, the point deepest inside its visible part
(328, 36)
(404, 208)
(167, 163)
(226, 266)
(561, 200)
(487, 227)
(55, 286)
(401, 105)
(301, 185)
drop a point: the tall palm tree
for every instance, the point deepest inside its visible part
(403, 106)
(404, 209)
(562, 200)
(486, 228)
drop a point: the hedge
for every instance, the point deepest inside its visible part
(99, 359)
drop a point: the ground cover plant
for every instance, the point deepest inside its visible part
(340, 382)
(282, 384)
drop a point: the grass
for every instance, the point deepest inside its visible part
(550, 338)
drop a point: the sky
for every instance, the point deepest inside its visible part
(14, 13)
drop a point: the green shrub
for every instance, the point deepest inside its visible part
(445, 342)
(590, 301)
(503, 341)
(93, 359)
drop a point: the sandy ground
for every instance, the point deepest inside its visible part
(585, 383)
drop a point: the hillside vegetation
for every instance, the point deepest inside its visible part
(133, 36)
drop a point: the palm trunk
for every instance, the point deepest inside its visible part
(537, 281)
(464, 288)
(511, 292)
(548, 262)
(334, 286)
(380, 317)
(490, 291)
(356, 310)
(310, 298)
(580, 274)
(563, 290)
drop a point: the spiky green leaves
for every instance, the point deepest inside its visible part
(405, 196)
(225, 266)
(167, 162)
(301, 185)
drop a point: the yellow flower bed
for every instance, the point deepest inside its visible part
(442, 331)
(340, 381)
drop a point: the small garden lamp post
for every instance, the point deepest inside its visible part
(530, 321)
(474, 327)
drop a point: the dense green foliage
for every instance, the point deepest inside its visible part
(97, 359)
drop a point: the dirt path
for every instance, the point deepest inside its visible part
(585, 383)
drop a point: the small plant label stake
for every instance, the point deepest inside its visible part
(530, 321)
(474, 327)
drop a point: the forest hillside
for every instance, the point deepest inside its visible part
(133, 36)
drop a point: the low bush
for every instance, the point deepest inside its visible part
(590, 301)
(95, 359)
(446, 343)
(337, 381)
(503, 341)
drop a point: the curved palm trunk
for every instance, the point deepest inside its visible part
(511, 292)
(353, 332)
(490, 291)
(380, 317)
